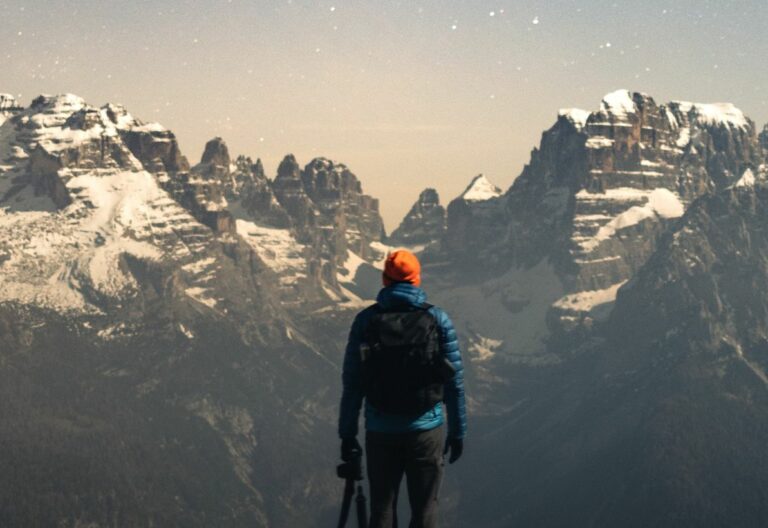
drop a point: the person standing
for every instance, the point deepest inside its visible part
(403, 358)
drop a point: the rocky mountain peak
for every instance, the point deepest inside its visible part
(703, 267)
(329, 183)
(7, 102)
(619, 104)
(257, 169)
(713, 115)
(575, 116)
(480, 189)
(424, 224)
(288, 169)
(763, 139)
(216, 153)
(475, 218)
(8, 107)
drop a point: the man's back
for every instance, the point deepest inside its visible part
(410, 441)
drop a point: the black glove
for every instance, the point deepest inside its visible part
(456, 447)
(350, 449)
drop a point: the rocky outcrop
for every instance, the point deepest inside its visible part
(288, 187)
(667, 402)
(763, 140)
(57, 138)
(475, 220)
(43, 171)
(704, 285)
(604, 185)
(152, 144)
(252, 191)
(216, 153)
(424, 225)
(338, 196)
(8, 107)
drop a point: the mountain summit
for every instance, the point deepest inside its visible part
(480, 189)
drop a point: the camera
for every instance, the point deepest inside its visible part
(351, 470)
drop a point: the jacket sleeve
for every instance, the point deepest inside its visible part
(454, 388)
(352, 394)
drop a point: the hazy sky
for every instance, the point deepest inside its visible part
(407, 94)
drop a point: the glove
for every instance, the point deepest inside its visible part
(350, 449)
(456, 447)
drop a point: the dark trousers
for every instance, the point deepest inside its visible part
(420, 456)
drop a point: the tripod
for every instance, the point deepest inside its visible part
(353, 471)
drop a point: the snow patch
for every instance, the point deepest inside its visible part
(483, 348)
(276, 247)
(661, 202)
(747, 179)
(577, 116)
(618, 103)
(187, 332)
(511, 309)
(587, 301)
(684, 138)
(597, 142)
(200, 295)
(715, 114)
(480, 189)
(351, 265)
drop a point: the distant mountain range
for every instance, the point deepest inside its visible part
(171, 334)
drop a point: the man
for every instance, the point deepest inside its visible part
(403, 357)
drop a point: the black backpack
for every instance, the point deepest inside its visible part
(403, 369)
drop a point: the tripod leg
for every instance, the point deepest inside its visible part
(349, 490)
(394, 507)
(362, 509)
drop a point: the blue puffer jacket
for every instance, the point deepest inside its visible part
(352, 397)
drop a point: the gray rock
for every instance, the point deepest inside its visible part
(424, 224)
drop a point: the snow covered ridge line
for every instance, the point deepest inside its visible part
(576, 116)
(622, 103)
(618, 103)
(714, 114)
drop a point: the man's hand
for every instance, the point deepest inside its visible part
(456, 447)
(350, 449)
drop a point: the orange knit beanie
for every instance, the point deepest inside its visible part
(402, 266)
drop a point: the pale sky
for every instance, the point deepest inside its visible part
(408, 94)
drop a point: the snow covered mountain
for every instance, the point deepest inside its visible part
(551, 253)
(661, 418)
(181, 301)
(424, 224)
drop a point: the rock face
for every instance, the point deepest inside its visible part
(704, 287)
(476, 219)
(763, 139)
(424, 225)
(338, 196)
(152, 144)
(305, 223)
(326, 214)
(254, 193)
(8, 107)
(664, 424)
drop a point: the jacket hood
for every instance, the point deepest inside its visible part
(401, 293)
